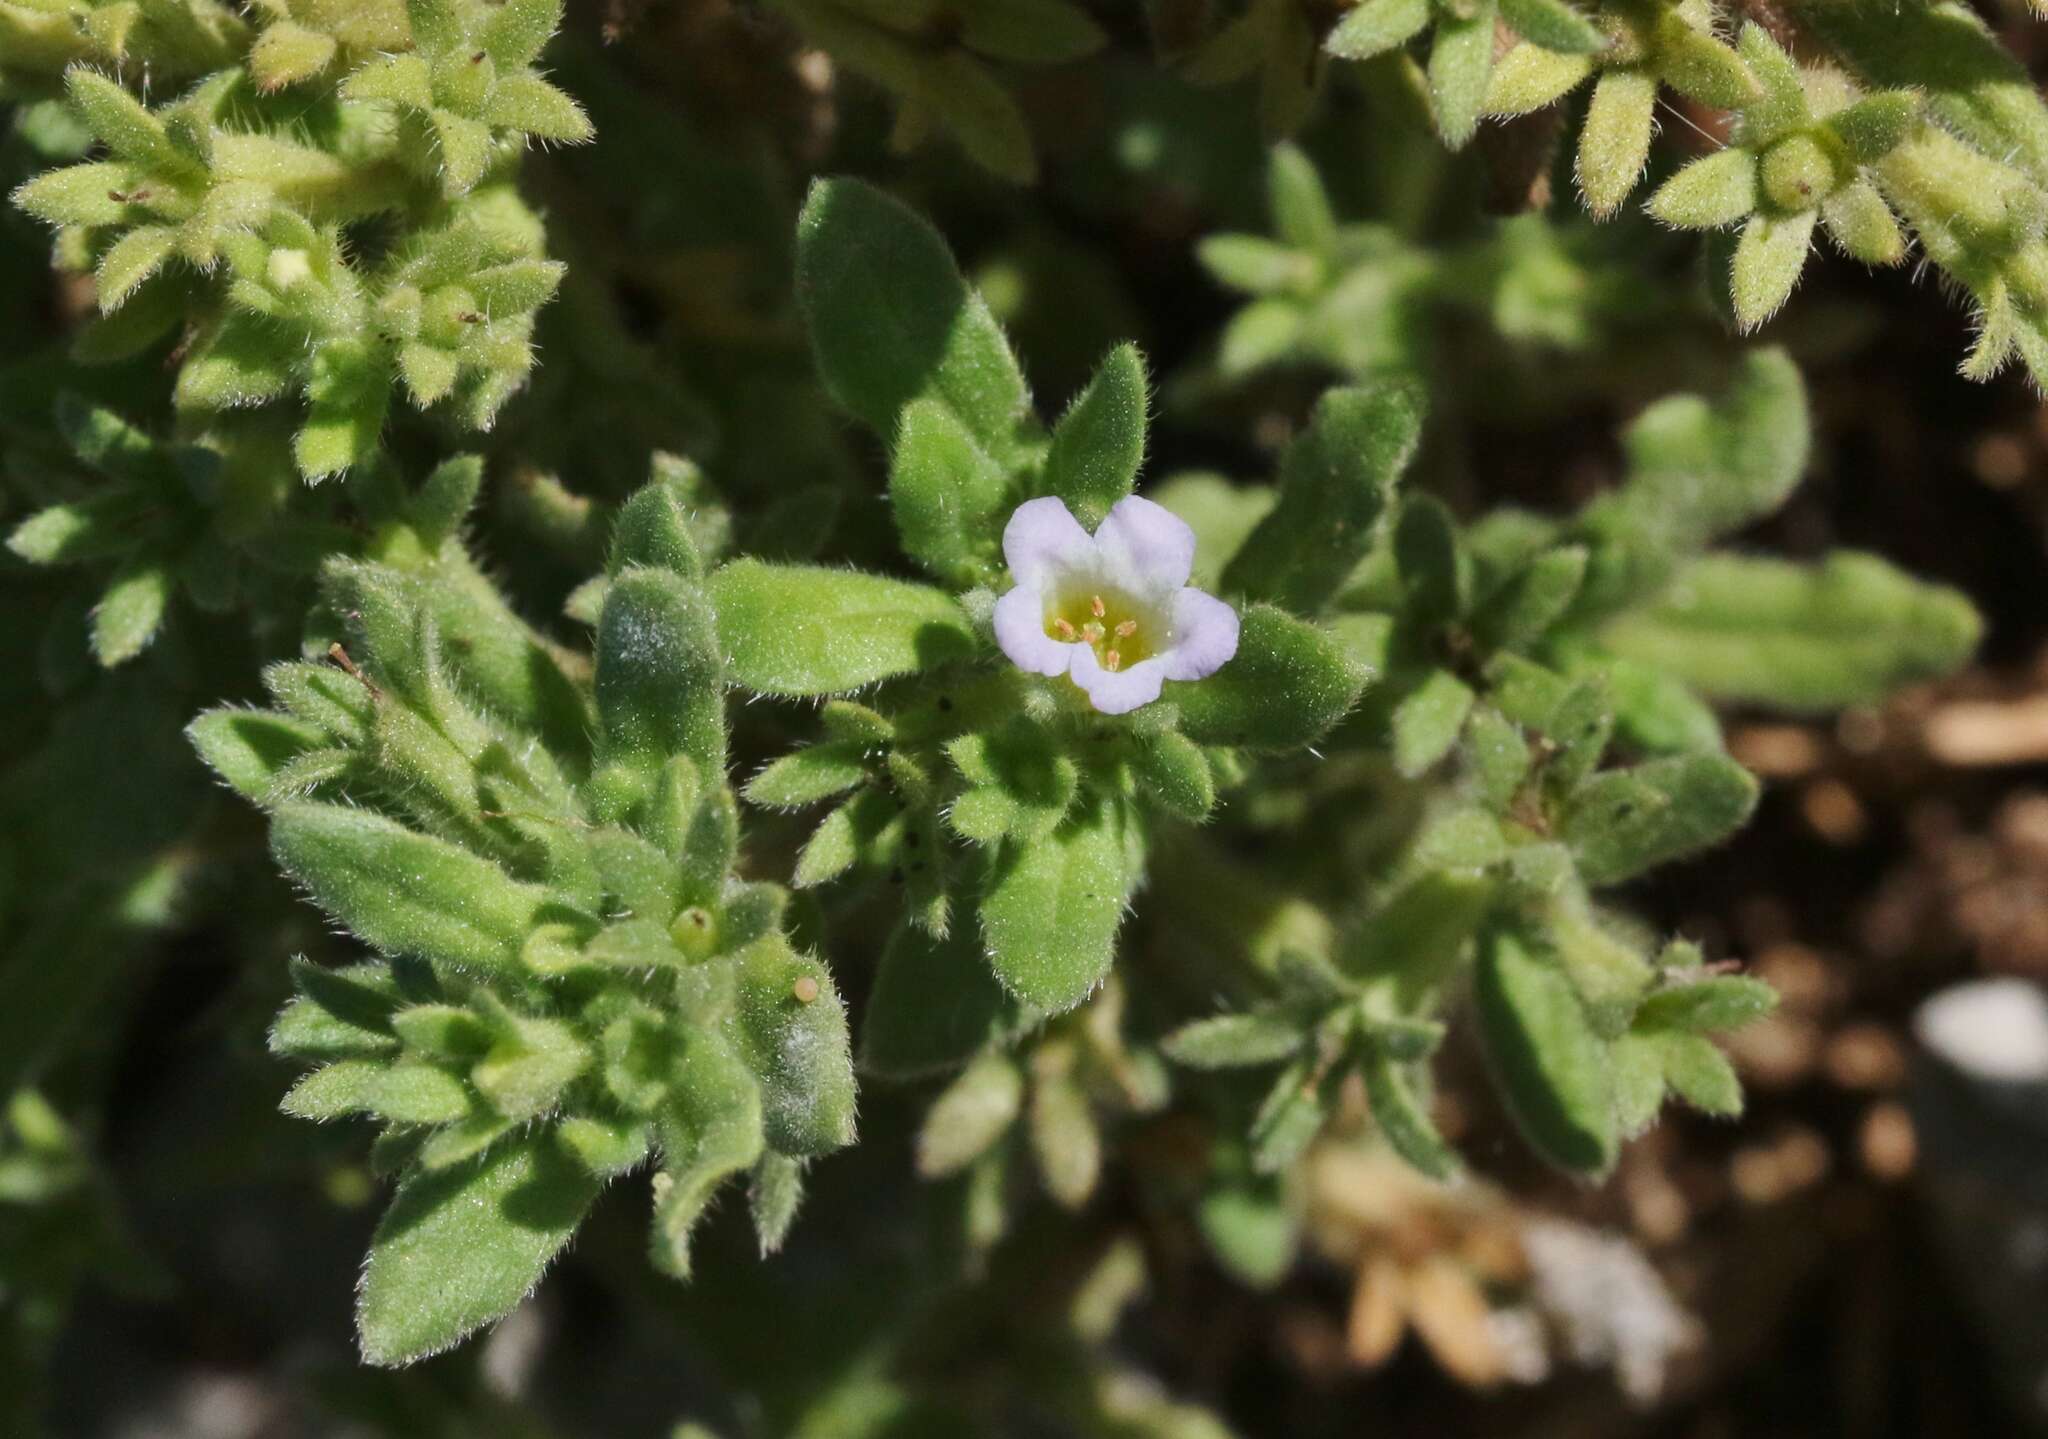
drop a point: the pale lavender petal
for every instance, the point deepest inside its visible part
(1120, 691)
(1145, 547)
(1043, 537)
(1204, 636)
(1020, 631)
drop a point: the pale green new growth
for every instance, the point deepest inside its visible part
(240, 218)
(1790, 168)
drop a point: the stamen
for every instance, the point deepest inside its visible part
(1092, 632)
(1125, 630)
(1096, 607)
(1066, 630)
(1112, 661)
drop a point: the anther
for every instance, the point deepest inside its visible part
(1066, 630)
(1126, 629)
(1112, 661)
(1096, 607)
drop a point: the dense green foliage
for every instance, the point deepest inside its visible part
(616, 767)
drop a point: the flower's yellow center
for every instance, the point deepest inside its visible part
(1119, 629)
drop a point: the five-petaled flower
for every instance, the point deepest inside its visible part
(1113, 611)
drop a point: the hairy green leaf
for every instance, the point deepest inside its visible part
(1723, 1001)
(1848, 631)
(806, 630)
(404, 892)
(1288, 684)
(1229, 1041)
(1099, 444)
(660, 689)
(891, 319)
(1403, 1119)
(1336, 480)
(460, 1247)
(972, 1114)
(946, 492)
(1052, 907)
(1624, 822)
(1551, 1067)
(790, 1027)
(935, 1005)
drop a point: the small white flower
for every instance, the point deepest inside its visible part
(1113, 611)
